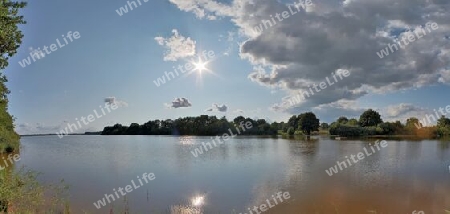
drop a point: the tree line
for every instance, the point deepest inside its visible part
(369, 123)
(201, 125)
(211, 125)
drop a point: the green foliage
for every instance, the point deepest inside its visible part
(443, 131)
(201, 125)
(293, 122)
(9, 139)
(20, 192)
(412, 123)
(345, 130)
(412, 127)
(10, 40)
(443, 122)
(342, 120)
(353, 122)
(10, 35)
(443, 127)
(388, 128)
(308, 122)
(291, 131)
(370, 118)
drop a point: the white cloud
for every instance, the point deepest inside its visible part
(177, 46)
(113, 100)
(403, 111)
(204, 8)
(179, 103)
(445, 76)
(216, 107)
(309, 46)
(238, 111)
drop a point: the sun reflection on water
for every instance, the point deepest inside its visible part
(194, 207)
(186, 140)
(198, 201)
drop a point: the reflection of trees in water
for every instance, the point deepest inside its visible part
(443, 149)
(444, 144)
(302, 161)
(303, 147)
(244, 149)
(414, 149)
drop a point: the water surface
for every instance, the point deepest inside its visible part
(245, 172)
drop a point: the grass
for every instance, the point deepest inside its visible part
(20, 192)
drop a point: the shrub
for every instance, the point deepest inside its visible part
(291, 131)
(20, 192)
(351, 131)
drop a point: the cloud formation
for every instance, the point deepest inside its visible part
(404, 111)
(238, 111)
(179, 103)
(317, 41)
(113, 100)
(219, 108)
(177, 46)
(204, 8)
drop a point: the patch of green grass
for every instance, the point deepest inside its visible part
(20, 192)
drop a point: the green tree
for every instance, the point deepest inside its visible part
(10, 40)
(324, 126)
(238, 119)
(413, 123)
(133, 129)
(370, 118)
(293, 122)
(443, 126)
(443, 121)
(291, 131)
(308, 122)
(10, 35)
(353, 122)
(342, 120)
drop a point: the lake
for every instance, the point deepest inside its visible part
(244, 172)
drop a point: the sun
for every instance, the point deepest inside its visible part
(200, 66)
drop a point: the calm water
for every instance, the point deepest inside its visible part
(245, 172)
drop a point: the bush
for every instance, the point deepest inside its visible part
(291, 131)
(443, 131)
(20, 192)
(351, 131)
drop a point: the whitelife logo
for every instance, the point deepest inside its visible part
(102, 202)
(11, 158)
(361, 156)
(266, 206)
(123, 10)
(225, 137)
(71, 127)
(37, 54)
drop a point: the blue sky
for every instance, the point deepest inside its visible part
(118, 56)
